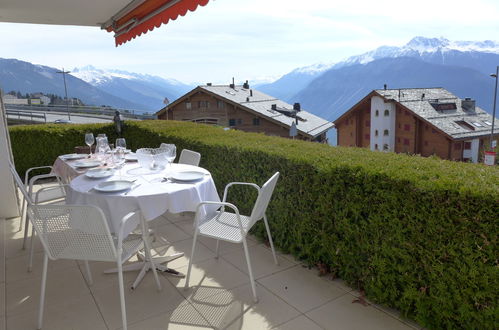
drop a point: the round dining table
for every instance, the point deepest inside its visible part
(152, 192)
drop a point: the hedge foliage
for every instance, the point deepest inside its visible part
(417, 234)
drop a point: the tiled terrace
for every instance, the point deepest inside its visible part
(290, 296)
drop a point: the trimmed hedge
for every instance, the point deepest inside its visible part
(416, 234)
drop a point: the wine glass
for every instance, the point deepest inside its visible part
(119, 159)
(171, 154)
(121, 143)
(89, 141)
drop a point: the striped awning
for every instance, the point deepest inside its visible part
(145, 15)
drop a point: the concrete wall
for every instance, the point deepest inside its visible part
(8, 197)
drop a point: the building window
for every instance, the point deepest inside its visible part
(188, 105)
(407, 127)
(377, 113)
(368, 123)
(220, 104)
(202, 104)
(385, 147)
(387, 113)
(457, 146)
(386, 133)
(375, 147)
(239, 121)
(406, 142)
(366, 136)
(467, 145)
(256, 121)
(376, 133)
(232, 122)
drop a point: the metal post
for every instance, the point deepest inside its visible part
(65, 90)
(496, 75)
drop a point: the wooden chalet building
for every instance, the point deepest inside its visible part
(425, 121)
(246, 109)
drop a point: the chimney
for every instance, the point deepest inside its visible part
(251, 92)
(246, 85)
(468, 104)
(233, 86)
(422, 96)
(208, 84)
(247, 99)
(296, 107)
(273, 106)
(384, 86)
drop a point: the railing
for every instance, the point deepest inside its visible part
(26, 114)
(91, 110)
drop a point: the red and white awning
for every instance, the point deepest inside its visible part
(126, 18)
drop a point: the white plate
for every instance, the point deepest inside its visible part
(131, 157)
(127, 151)
(187, 176)
(74, 156)
(87, 163)
(98, 173)
(114, 185)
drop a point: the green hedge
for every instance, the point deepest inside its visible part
(416, 234)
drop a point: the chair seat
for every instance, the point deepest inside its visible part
(73, 250)
(224, 226)
(49, 195)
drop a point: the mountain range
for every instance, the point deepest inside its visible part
(93, 86)
(325, 89)
(330, 89)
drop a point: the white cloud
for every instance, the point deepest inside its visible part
(254, 38)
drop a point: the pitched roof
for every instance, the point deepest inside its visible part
(443, 110)
(440, 108)
(261, 104)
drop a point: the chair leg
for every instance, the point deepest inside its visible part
(252, 280)
(23, 206)
(270, 239)
(217, 249)
(26, 226)
(147, 250)
(90, 281)
(42, 294)
(122, 295)
(31, 249)
(190, 260)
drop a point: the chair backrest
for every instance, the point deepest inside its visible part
(189, 157)
(73, 232)
(263, 199)
(19, 183)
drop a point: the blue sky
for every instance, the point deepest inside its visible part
(254, 39)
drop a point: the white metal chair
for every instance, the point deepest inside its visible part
(233, 227)
(81, 232)
(47, 195)
(189, 157)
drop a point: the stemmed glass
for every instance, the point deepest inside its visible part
(121, 143)
(119, 158)
(171, 154)
(89, 141)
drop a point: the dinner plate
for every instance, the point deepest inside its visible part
(87, 163)
(187, 176)
(127, 151)
(98, 173)
(74, 156)
(114, 185)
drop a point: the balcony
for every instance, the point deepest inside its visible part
(291, 296)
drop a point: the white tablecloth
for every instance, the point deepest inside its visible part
(149, 194)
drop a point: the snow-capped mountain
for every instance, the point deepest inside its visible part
(26, 77)
(148, 90)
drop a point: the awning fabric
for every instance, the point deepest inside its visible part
(148, 15)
